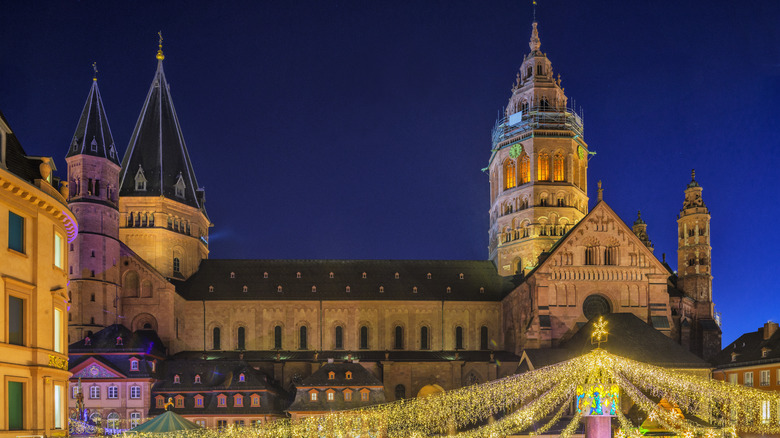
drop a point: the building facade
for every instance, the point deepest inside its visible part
(552, 265)
(36, 227)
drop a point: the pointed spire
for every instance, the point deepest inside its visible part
(94, 67)
(535, 43)
(693, 182)
(157, 146)
(160, 55)
(639, 220)
(93, 134)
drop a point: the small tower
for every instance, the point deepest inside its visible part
(162, 214)
(93, 196)
(538, 167)
(640, 229)
(693, 249)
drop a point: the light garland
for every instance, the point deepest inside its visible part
(524, 400)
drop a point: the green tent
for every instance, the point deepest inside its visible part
(167, 422)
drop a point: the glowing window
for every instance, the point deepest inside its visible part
(245, 289)
(221, 401)
(314, 288)
(461, 276)
(238, 400)
(179, 401)
(348, 289)
(428, 276)
(330, 275)
(510, 174)
(364, 275)
(197, 378)
(347, 395)
(255, 401)
(134, 365)
(265, 275)
(364, 395)
(525, 169)
(397, 276)
(543, 163)
(297, 275)
(279, 289)
(242, 377)
(381, 289)
(313, 396)
(135, 392)
(331, 395)
(176, 379)
(414, 289)
(558, 173)
(198, 401)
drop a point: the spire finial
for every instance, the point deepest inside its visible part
(534, 2)
(160, 55)
(94, 67)
(693, 174)
(601, 192)
(535, 43)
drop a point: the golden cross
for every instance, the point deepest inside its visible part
(600, 332)
(160, 35)
(94, 67)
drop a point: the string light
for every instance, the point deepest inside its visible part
(513, 404)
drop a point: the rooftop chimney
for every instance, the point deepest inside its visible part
(769, 329)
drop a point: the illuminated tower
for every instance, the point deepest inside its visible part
(93, 180)
(538, 167)
(162, 214)
(693, 249)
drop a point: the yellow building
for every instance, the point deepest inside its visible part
(35, 229)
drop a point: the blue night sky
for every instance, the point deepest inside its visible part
(357, 129)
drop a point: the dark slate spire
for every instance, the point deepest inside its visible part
(93, 135)
(157, 162)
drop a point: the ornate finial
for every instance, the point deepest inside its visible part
(693, 174)
(600, 332)
(534, 2)
(94, 67)
(160, 55)
(601, 192)
(535, 43)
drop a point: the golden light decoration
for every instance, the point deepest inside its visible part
(536, 401)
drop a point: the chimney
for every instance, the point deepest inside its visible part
(769, 329)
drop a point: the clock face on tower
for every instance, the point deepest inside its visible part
(515, 150)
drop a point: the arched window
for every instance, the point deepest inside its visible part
(483, 338)
(241, 338)
(278, 337)
(525, 169)
(302, 338)
(610, 255)
(339, 337)
(215, 339)
(591, 255)
(558, 173)
(539, 69)
(510, 174)
(112, 421)
(544, 104)
(458, 338)
(543, 164)
(176, 265)
(424, 338)
(364, 338)
(399, 337)
(400, 392)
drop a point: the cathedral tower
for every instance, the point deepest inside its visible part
(93, 180)
(693, 250)
(538, 167)
(162, 214)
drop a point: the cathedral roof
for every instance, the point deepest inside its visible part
(356, 355)
(157, 153)
(93, 134)
(452, 280)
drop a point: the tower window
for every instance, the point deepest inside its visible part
(539, 69)
(93, 145)
(339, 337)
(558, 173)
(364, 338)
(510, 174)
(458, 338)
(424, 344)
(610, 255)
(399, 337)
(278, 337)
(176, 266)
(591, 255)
(215, 340)
(241, 339)
(179, 186)
(530, 71)
(483, 338)
(544, 167)
(302, 344)
(525, 172)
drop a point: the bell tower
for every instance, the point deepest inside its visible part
(693, 249)
(538, 167)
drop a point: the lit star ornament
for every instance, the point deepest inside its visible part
(600, 332)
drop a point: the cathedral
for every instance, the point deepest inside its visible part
(230, 341)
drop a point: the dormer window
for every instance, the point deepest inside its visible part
(449, 290)
(279, 289)
(381, 289)
(330, 275)
(242, 377)
(364, 275)
(133, 364)
(140, 180)
(265, 275)
(734, 357)
(176, 379)
(460, 276)
(93, 145)
(428, 276)
(397, 276)
(482, 290)
(414, 289)
(348, 289)
(331, 375)
(246, 289)
(314, 288)
(179, 186)
(211, 288)
(197, 378)
(349, 375)
(111, 151)
(232, 275)
(297, 275)
(765, 352)
(119, 341)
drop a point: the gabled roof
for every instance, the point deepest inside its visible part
(93, 134)
(157, 148)
(103, 369)
(360, 376)
(105, 341)
(747, 350)
(214, 375)
(480, 280)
